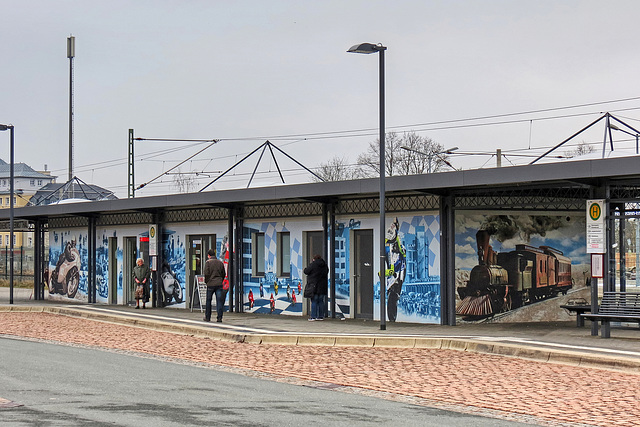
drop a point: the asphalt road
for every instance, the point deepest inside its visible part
(56, 386)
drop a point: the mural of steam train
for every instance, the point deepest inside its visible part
(507, 280)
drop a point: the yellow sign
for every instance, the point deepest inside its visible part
(595, 211)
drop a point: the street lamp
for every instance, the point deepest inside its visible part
(10, 128)
(614, 127)
(373, 48)
(431, 154)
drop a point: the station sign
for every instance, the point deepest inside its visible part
(153, 240)
(596, 227)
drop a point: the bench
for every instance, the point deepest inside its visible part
(579, 309)
(618, 307)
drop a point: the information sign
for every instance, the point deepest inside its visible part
(596, 241)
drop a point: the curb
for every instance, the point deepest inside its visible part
(521, 351)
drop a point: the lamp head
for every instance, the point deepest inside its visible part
(6, 127)
(366, 48)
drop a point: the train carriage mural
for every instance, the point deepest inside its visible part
(507, 261)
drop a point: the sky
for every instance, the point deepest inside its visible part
(520, 76)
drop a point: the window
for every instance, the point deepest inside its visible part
(6, 199)
(32, 182)
(257, 254)
(30, 241)
(40, 183)
(284, 255)
(0, 239)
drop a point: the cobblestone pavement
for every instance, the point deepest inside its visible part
(503, 387)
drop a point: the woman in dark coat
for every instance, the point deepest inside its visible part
(317, 279)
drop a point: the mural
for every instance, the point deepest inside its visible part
(68, 276)
(269, 293)
(508, 261)
(412, 267)
(412, 270)
(173, 270)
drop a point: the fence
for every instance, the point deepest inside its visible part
(23, 262)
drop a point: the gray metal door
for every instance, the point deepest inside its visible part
(113, 270)
(128, 262)
(363, 274)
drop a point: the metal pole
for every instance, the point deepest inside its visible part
(383, 287)
(71, 52)
(11, 206)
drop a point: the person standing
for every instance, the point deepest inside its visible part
(317, 280)
(214, 275)
(141, 275)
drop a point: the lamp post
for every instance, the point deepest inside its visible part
(431, 154)
(614, 127)
(379, 48)
(10, 128)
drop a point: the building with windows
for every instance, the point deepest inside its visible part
(27, 182)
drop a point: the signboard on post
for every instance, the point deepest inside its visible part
(596, 229)
(153, 240)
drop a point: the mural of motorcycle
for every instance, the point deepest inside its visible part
(170, 285)
(65, 278)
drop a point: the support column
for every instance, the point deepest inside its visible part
(37, 261)
(238, 257)
(332, 257)
(325, 246)
(233, 289)
(91, 279)
(447, 261)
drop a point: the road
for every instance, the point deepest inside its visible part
(62, 385)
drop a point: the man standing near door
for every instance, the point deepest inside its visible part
(214, 274)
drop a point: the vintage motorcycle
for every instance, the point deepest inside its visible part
(65, 279)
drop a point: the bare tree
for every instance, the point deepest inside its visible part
(184, 182)
(337, 169)
(422, 151)
(582, 149)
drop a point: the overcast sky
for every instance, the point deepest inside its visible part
(247, 71)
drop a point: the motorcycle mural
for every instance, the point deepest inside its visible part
(170, 285)
(65, 278)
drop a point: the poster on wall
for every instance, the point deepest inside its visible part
(514, 267)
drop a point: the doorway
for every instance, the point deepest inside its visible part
(363, 277)
(129, 257)
(313, 245)
(198, 246)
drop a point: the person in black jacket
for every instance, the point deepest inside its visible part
(317, 278)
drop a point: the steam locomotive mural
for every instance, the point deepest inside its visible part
(507, 280)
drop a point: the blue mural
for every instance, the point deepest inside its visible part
(68, 276)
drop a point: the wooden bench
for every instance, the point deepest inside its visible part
(579, 309)
(618, 307)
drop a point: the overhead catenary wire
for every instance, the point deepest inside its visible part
(178, 165)
(427, 127)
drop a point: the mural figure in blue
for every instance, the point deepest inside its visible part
(395, 269)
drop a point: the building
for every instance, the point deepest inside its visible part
(27, 182)
(517, 222)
